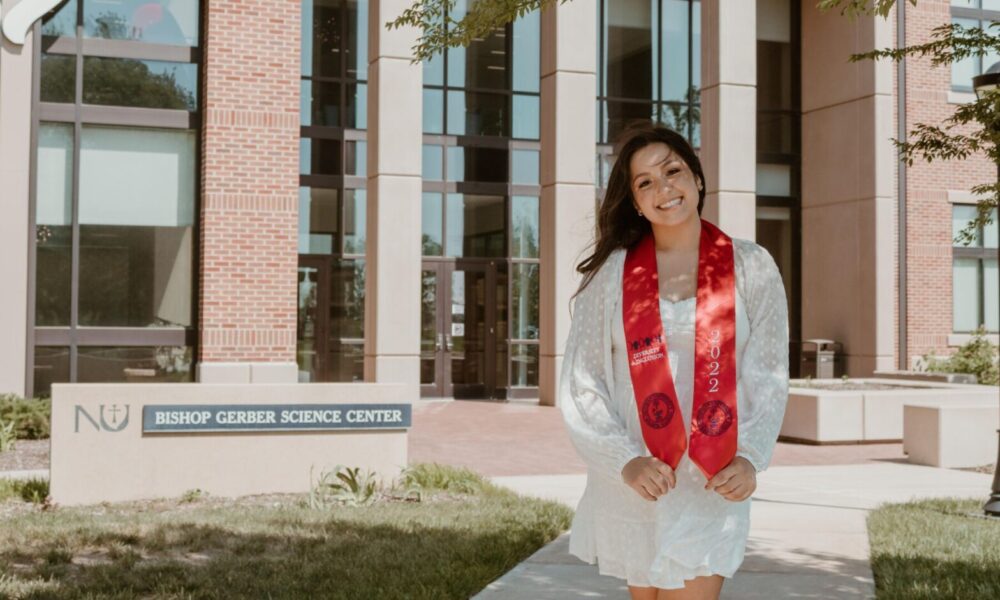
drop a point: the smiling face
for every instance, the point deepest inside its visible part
(663, 186)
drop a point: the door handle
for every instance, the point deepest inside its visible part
(439, 343)
(447, 342)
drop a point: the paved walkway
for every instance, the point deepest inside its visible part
(505, 439)
(808, 537)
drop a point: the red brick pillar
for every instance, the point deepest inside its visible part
(249, 191)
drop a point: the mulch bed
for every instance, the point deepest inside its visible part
(27, 455)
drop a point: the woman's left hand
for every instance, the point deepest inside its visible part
(736, 482)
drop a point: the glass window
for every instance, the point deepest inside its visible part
(961, 216)
(434, 70)
(675, 50)
(524, 301)
(472, 113)
(678, 116)
(356, 160)
(61, 21)
(696, 47)
(54, 177)
(974, 275)
(137, 176)
(991, 231)
(319, 103)
(525, 113)
(51, 366)
(318, 220)
(141, 83)
(524, 167)
(135, 364)
(432, 224)
(965, 294)
(984, 4)
(774, 75)
(319, 156)
(321, 38)
(774, 180)
(355, 206)
(172, 22)
(476, 164)
(964, 70)
(483, 63)
(475, 225)
(357, 106)
(618, 116)
(356, 48)
(58, 78)
(432, 163)
(53, 220)
(433, 111)
(526, 48)
(135, 276)
(990, 299)
(347, 303)
(776, 132)
(524, 226)
(524, 365)
(628, 35)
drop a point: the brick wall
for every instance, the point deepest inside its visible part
(250, 170)
(929, 277)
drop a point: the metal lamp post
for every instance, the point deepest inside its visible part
(984, 84)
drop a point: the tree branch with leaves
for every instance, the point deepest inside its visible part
(440, 31)
(949, 44)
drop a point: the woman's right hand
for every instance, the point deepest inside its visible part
(649, 476)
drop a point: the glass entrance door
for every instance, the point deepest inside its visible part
(459, 329)
(330, 335)
(313, 319)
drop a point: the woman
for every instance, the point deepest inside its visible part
(675, 378)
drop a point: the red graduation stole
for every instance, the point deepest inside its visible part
(713, 415)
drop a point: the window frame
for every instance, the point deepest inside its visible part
(73, 336)
(980, 253)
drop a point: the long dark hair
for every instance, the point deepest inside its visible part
(618, 223)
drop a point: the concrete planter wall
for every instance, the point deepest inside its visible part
(819, 416)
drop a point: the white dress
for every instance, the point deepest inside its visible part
(689, 531)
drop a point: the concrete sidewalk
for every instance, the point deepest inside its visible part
(808, 537)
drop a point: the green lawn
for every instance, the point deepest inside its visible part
(934, 549)
(449, 545)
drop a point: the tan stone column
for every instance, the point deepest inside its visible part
(392, 283)
(569, 89)
(848, 170)
(15, 162)
(729, 114)
(250, 180)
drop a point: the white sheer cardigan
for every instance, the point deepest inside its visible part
(690, 531)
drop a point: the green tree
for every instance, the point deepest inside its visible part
(949, 43)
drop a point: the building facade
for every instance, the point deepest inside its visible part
(271, 190)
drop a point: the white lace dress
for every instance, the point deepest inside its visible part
(690, 531)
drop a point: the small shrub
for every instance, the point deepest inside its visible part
(34, 490)
(193, 496)
(432, 476)
(28, 490)
(7, 435)
(344, 485)
(978, 357)
(31, 416)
